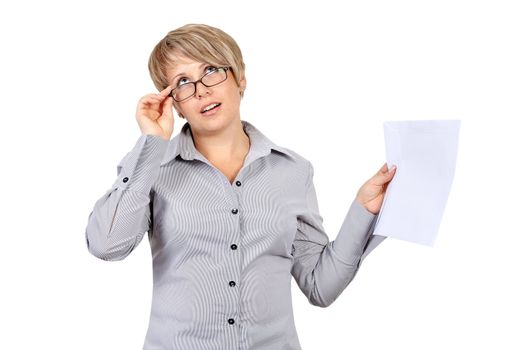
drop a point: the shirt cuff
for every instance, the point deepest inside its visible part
(354, 233)
(141, 166)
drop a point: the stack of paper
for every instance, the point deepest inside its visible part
(425, 154)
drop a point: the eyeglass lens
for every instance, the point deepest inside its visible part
(186, 90)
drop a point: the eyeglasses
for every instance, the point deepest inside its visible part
(212, 78)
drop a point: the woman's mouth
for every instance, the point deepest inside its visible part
(211, 109)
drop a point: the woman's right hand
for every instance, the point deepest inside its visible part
(154, 114)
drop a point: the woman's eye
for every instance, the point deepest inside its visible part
(182, 81)
(209, 69)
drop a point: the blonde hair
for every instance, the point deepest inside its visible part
(199, 42)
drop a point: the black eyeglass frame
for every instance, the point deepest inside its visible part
(200, 80)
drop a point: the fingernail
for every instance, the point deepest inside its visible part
(392, 168)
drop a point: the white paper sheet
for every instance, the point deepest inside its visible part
(425, 154)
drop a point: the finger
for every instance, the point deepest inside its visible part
(382, 178)
(167, 106)
(166, 121)
(390, 173)
(383, 169)
(165, 92)
(150, 95)
(151, 103)
(152, 99)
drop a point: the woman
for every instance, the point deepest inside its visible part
(230, 215)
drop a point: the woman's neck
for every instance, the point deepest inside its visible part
(231, 144)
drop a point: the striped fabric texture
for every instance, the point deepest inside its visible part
(223, 253)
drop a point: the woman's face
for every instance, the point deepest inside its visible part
(226, 93)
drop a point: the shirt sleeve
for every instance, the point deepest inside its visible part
(323, 269)
(122, 215)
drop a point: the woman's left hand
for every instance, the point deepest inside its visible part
(371, 194)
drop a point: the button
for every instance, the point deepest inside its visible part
(232, 283)
(234, 211)
(231, 320)
(125, 179)
(234, 246)
(238, 183)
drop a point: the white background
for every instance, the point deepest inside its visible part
(322, 78)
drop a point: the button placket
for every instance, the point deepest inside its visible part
(236, 259)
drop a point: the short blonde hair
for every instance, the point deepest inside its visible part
(199, 42)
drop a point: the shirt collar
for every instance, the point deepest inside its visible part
(183, 144)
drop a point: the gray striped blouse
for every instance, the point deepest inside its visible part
(223, 253)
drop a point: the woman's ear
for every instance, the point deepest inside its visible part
(243, 85)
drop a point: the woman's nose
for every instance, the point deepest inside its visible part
(201, 89)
